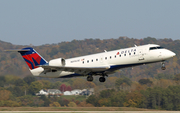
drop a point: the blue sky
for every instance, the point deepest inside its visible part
(37, 22)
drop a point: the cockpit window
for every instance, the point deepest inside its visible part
(160, 47)
(152, 48)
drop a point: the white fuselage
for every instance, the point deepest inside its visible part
(115, 59)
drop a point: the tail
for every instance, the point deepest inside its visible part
(32, 58)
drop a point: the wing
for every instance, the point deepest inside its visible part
(78, 70)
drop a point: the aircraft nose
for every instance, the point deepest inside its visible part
(168, 54)
(171, 54)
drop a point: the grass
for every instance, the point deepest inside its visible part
(72, 109)
(74, 97)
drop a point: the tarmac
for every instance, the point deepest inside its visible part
(89, 111)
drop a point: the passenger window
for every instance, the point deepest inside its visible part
(124, 54)
(115, 56)
(110, 57)
(129, 53)
(96, 59)
(87, 61)
(92, 60)
(119, 55)
(106, 58)
(83, 62)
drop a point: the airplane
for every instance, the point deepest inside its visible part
(101, 64)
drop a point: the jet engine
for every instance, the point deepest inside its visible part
(57, 62)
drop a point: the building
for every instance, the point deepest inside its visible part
(49, 92)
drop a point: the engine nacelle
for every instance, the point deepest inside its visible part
(57, 62)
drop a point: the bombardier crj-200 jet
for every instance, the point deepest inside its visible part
(101, 64)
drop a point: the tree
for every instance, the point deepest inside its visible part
(55, 85)
(118, 83)
(134, 99)
(72, 104)
(79, 83)
(35, 87)
(121, 83)
(26, 100)
(106, 93)
(10, 79)
(46, 84)
(84, 104)
(17, 91)
(145, 81)
(68, 88)
(29, 79)
(93, 100)
(20, 82)
(2, 81)
(63, 102)
(46, 100)
(54, 104)
(63, 88)
(4, 94)
(10, 103)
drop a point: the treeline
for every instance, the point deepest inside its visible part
(160, 94)
(16, 91)
(12, 63)
(151, 98)
(116, 92)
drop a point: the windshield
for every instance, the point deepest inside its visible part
(153, 48)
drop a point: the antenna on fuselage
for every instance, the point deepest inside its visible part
(135, 45)
(105, 51)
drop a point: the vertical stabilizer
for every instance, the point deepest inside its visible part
(32, 58)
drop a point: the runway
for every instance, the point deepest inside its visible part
(89, 111)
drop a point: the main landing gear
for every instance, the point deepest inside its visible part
(90, 78)
(163, 66)
(101, 79)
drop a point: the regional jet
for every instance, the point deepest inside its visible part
(101, 64)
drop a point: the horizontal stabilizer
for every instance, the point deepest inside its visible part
(18, 50)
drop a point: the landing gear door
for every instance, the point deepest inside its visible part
(141, 55)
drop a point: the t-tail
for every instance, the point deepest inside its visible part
(32, 58)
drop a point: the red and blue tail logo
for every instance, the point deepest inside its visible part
(32, 58)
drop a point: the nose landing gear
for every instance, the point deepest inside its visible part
(163, 66)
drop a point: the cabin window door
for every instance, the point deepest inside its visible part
(141, 55)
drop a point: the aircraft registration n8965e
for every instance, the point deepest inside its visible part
(100, 64)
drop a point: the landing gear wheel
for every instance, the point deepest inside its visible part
(90, 78)
(163, 66)
(102, 79)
